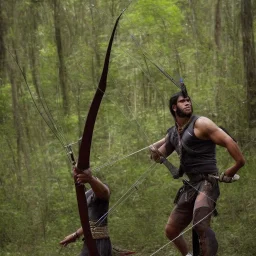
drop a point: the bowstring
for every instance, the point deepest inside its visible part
(123, 198)
(48, 119)
(142, 177)
(173, 81)
(110, 163)
(127, 194)
(182, 233)
(61, 139)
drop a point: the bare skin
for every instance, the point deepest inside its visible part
(155, 154)
(99, 188)
(204, 129)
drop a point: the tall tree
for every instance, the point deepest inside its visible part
(62, 66)
(16, 119)
(217, 24)
(249, 59)
(32, 50)
(2, 48)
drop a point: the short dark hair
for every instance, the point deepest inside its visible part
(173, 101)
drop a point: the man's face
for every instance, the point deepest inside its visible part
(184, 107)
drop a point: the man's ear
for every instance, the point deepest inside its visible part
(174, 108)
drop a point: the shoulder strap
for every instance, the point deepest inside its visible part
(188, 149)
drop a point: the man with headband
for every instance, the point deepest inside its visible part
(194, 138)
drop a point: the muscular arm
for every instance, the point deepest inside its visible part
(159, 143)
(99, 188)
(71, 238)
(206, 129)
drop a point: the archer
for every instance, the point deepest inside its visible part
(98, 205)
(194, 138)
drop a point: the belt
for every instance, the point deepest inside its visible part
(200, 176)
(98, 232)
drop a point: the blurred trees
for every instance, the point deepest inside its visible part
(51, 57)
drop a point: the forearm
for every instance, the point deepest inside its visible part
(79, 232)
(236, 154)
(162, 150)
(159, 143)
(100, 189)
(156, 154)
(71, 238)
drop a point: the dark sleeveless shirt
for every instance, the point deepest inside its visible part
(196, 155)
(96, 207)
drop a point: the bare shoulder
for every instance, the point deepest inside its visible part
(204, 122)
(204, 127)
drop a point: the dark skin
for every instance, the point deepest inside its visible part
(204, 129)
(99, 188)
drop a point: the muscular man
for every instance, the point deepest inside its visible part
(98, 204)
(194, 138)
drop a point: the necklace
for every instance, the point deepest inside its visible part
(181, 128)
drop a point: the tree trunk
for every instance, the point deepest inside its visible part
(96, 61)
(196, 39)
(249, 59)
(217, 30)
(32, 50)
(62, 67)
(2, 48)
(16, 119)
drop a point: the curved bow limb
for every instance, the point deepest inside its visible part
(83, 162)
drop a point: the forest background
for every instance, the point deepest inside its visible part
(51, 58)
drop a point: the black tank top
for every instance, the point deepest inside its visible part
(196, 155)
(96, 207)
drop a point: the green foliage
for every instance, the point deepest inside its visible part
(38, 206)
